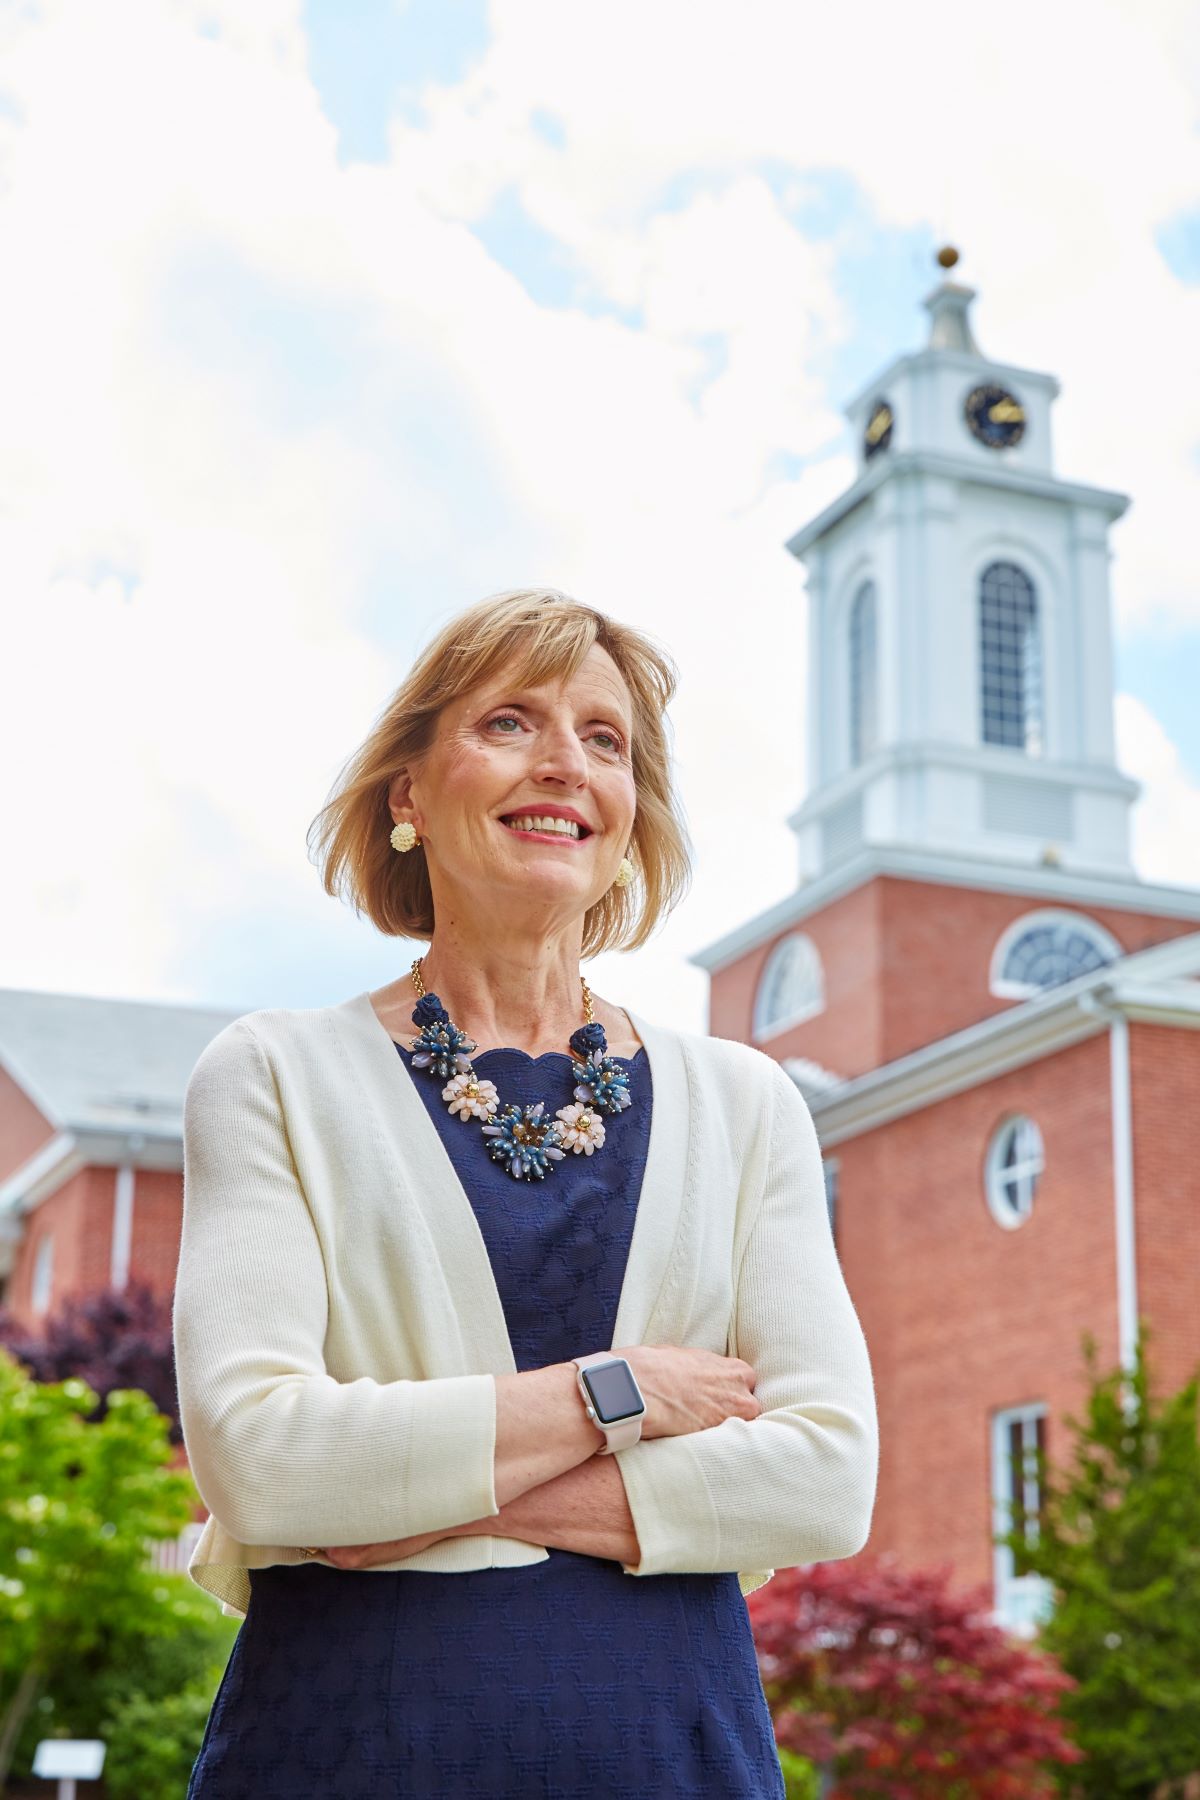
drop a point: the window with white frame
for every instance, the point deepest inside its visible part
(1015, 1160)
(43, 1273)
(1047, 947)
(1022, 1599)
(1010, 659)
(864, 676)
(791, 987)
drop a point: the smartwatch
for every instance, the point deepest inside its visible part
(612, 1397)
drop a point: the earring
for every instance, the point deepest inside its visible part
(624, 873)
(404, 836)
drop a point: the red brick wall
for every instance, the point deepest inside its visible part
(23, 1129)
(963, 1317)
(157, 1226)
(906, 963)
(1165, 1082)
(80, 1215)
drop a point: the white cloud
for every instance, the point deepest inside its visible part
(1166, 820)
(172, 205)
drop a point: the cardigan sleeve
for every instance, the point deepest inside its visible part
(283, 1453)
(796, 1484)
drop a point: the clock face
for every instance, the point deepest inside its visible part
(878, 434)
(995, 416)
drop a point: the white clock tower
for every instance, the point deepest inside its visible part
(960, 671)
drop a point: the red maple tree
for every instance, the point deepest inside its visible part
(904, 1690)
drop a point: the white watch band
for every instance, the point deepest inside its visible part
(622, 1432)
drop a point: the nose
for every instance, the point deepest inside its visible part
(560, 755)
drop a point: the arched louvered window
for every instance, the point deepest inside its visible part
(864, 680)
(1047, 948)
(791, 987)
(1010, 659)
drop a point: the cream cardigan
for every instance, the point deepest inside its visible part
(338, 1326)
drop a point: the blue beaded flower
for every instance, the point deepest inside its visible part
(588, 1038)
(601, 1081)
(523, 1142)
(441, 1047)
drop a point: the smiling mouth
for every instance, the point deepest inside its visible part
(554, 835)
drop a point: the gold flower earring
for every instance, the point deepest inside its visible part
(404, 836)
(624, 873)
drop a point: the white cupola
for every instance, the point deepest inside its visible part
(960, 687)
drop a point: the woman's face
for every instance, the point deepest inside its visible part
(505, 752)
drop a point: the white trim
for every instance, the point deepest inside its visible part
(1010, 1040)
(985, 874)
(51, 1164)
(41, 1288)
(955, 468)
(1030, 921)
(122, 1232)
(1124, 1211)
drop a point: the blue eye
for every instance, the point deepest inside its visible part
(499, 718)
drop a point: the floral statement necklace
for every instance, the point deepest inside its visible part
(521, 1139)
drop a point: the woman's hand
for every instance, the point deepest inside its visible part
(365, 1556)
(687, 1389)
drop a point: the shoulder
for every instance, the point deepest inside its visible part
(249, 1047)
(728, 1069)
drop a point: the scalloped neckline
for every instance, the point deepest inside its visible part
(514, 1050)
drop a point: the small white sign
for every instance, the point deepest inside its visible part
(69, 1756)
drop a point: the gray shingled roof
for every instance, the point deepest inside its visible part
(95, 1065)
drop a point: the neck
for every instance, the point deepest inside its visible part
(524, 993)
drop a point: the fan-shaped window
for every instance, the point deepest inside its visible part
(1015, 1159)
(791, 987)
(1010, 659)
(1047, 948)
(864, 680)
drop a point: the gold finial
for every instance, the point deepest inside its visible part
(947, 256)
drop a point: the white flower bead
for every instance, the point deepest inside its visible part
(470, 1098)
(582, 1129)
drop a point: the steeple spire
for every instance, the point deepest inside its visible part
(949, 327)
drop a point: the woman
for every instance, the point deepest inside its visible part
(513, 1349)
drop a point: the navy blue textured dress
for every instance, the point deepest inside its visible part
(564, 1678)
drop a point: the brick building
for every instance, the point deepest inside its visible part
(993, 1019)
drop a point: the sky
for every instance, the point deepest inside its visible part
(321, 321)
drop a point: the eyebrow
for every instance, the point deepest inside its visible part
(519, 696)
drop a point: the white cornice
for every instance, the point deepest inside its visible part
(958, 359)
(41, 1174)
(1152, 985)
(960, 469)
(1038, 881)
(975, 759)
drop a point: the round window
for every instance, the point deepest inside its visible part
(1015, 1159)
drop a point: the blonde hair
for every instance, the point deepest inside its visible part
(537, 633)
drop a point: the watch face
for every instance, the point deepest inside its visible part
(995, 416)
(613, 1392)
(878, 434)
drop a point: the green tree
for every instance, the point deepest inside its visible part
(1118, 1536)
(79, 1505)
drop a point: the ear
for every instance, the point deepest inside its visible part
(400, 800)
